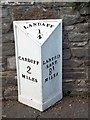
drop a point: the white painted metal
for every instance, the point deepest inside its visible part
(38, 45)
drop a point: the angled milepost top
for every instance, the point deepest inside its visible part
(38, 30)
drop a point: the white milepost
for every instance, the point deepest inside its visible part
(38, 46)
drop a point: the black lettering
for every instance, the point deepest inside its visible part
(53, 68)
(29, 60)
(23, 76)
(55, 61)
(25, 59)
(25, 27)
(52, 63)
(39, 31)
(44, 62)
(57, 74)
(39, 37)
(26, 77)
(43, 24)
(30, 25)
(54, 75)
(29, 78)
(39, 24)
(34, 61)
(52, 26)
(34, 24)
(47, 66)
(32, 79)
(37, 62)
(20, 57)
(51, 77)
(52, 58)
(49, 59)
(29, 68)
(46, 79)
(55, 57)
(36, 80)
(48, 25)
(50, 71)
(58, 56)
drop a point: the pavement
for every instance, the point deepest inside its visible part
(68, 107)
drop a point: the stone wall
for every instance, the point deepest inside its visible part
(76, 44)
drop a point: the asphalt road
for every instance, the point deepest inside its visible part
(68, 107)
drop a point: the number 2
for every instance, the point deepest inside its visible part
(51, 70)
(29, 68)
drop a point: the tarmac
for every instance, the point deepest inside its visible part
(68, 107)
